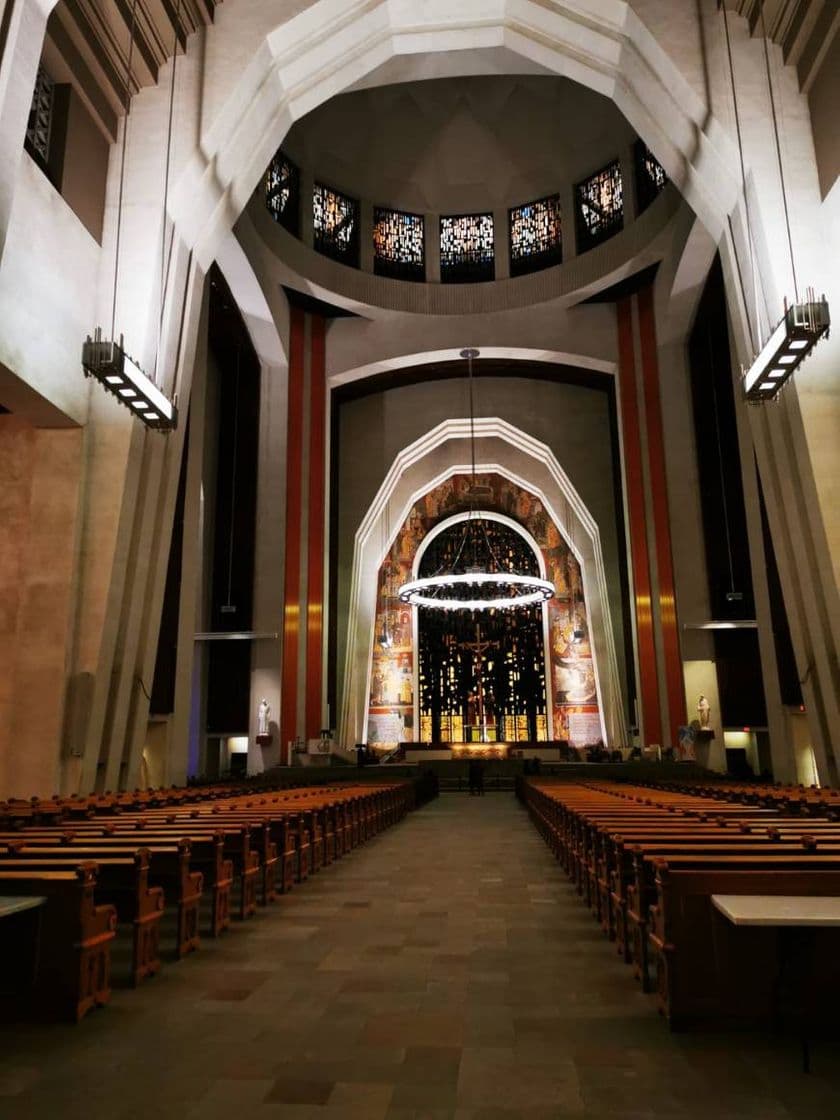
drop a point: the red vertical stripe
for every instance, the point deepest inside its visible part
(648, 681)
(674, 683)
(315, 558)
(291, 583)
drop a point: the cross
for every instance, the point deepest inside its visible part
(479, 647)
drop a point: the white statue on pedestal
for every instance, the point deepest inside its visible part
(263, 715)
(703, 710)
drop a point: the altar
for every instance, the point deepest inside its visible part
(447, 752)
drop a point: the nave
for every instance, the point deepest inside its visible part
(445, 969)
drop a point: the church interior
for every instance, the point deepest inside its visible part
(419, 559)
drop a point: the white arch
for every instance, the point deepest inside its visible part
(520, 530)
(440, 453)
(251, 302)
(483, 515)
(504, 353)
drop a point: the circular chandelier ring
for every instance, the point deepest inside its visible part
(529, 590)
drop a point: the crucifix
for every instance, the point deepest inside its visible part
(479, 648)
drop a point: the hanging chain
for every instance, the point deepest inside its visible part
(778, 152)
(164, 261)
(757, 334)
(127, 106)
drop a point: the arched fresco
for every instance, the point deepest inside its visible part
(393, 670)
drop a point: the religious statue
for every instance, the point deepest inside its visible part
(703, 710)
(263, 716)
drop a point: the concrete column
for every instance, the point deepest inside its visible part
(27, 24)
(190, 612)
(502, 243)
(628, 184)
(307, 185)
(432, 238)
(185, 311)
(268, 564)
(567, 209)
(366, 236)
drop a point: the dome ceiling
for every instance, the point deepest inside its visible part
(459, 144)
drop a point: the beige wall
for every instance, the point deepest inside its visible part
(824, 101)
(40, 473)
(240, 87)
(85, 167)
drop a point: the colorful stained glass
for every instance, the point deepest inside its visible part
(466, 248)
(650, 176)
(282, 192)
(536, 240)
(398, 248)
(599, 207)
(335, 219)
(481, 677)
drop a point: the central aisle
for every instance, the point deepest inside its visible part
(445, 969)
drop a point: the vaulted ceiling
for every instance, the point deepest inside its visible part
(88, 44)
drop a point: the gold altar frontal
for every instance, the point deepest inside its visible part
(479, 750)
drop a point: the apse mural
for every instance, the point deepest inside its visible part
(571, 683)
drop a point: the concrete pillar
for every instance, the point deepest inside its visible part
(269, 564)
(501, 239)
(26, 24)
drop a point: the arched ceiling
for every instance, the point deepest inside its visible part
(460, 144)
(87, 44)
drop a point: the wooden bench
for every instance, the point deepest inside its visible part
(123, 882)
(704, 975)
(74, 969)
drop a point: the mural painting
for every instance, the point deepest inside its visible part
(573, 698)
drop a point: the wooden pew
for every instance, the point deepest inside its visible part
(206, 855)
(74, 968)
(123, 882)
(705, 975)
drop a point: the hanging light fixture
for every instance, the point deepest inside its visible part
(106, 360)
(476, 580)
(803, 323)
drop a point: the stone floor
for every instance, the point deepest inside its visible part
(446, 969)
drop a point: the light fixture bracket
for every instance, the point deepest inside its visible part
(123, 378)
(792, 340)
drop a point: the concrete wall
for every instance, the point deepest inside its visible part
(40, 476)
(240, 87)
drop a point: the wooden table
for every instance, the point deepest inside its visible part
(788, 914)
(21, 917)
(781, 911)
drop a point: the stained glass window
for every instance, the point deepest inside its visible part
(481, 674)
(535, 235)
(336, 223)
(650, 176)
(466, 248)
(282, 192)
(599, 207)
(398, 249)
(39, 126)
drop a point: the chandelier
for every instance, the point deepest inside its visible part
(476, 579)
